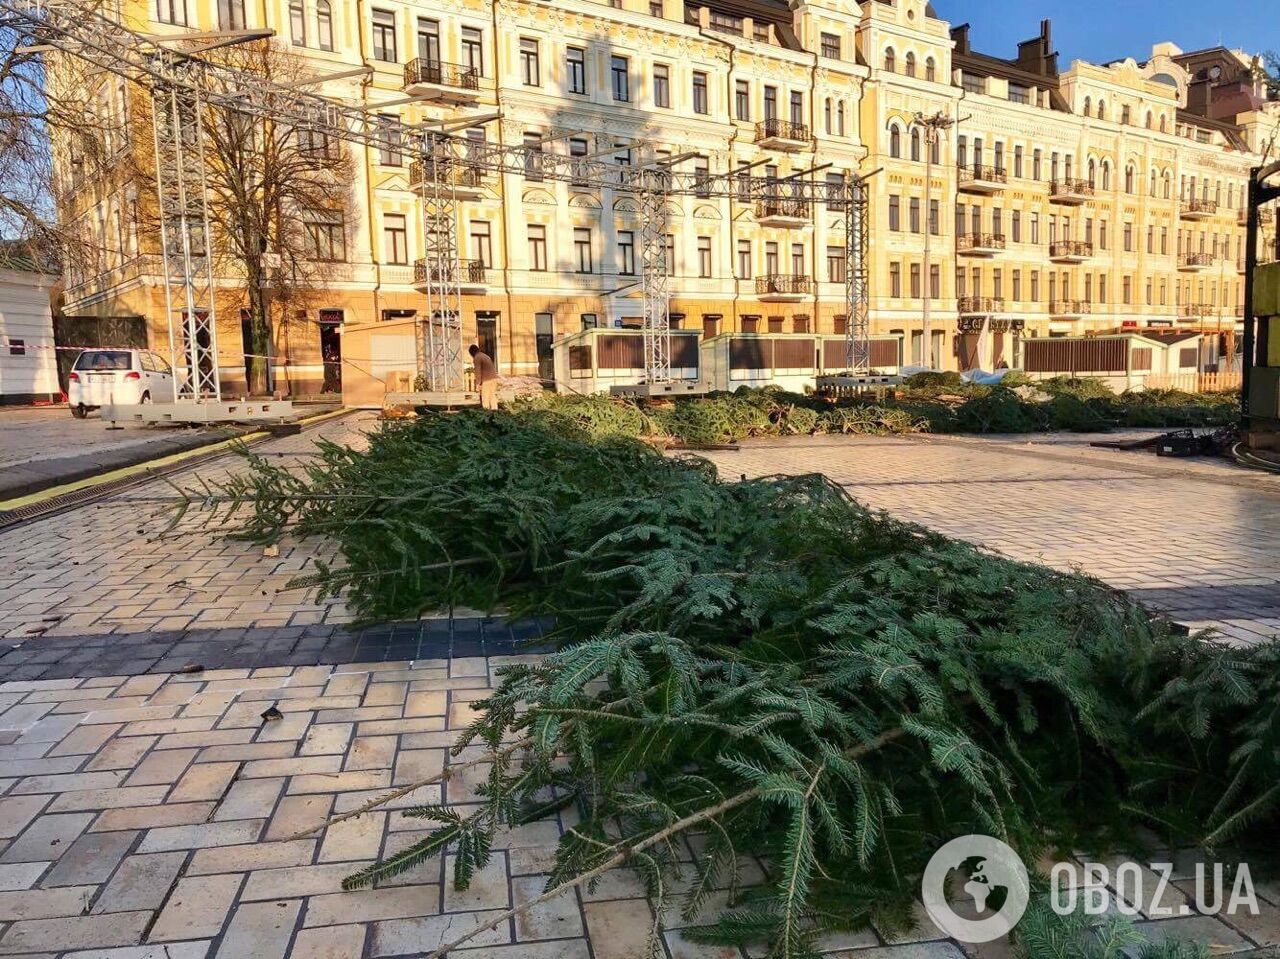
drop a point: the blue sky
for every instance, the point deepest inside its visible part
(1102, 30)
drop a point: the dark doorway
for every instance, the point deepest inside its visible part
(487, 334)
(331, 353)
(544, 334)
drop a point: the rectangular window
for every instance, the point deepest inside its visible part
(655, 8)
(172, 11)
(473, 50)
(797, 107)
(532, 156)
(997, 221)
(1015, 225)
(1017, 160)
(935, 281)
(997, 283)
(575, 59)
(895, 214)
(384, 36)
(1102, 234)
(915, 281)
(935, 217)
(231, 15)
(297, 23)
(662, 85)
(1035, 229)
(391, 133)
(481, 243)
(700, 104)
(626, 252)
(582, 249)
(429, 40)
(742, 100)
(836, 266)
(1035, 286)
(18, 347)
(395, 239)
(1128, 237)
(1128, 290)
(704, 256)
(1018, 93)
(895, 280)
(830, 46)
(913, 214)
(797, 259)
(589, 321)
(1017, 286)
(530, 63)
(744, 259)
(325, 236)
(771, 103)
(537, 247)
(1035, 165)
(771, 258)
(618, 67)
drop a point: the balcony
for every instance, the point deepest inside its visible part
(457, 177)
(472, 276)
(1198, 209)
(1195, 262)
(1071, 190)
(982, 179)
(785, 212)
(783, 287)
(979, 244)
(980, 305)
(1197, 311)
(1070, 251)
(774, 133)
(452, 84)
(1070, 308)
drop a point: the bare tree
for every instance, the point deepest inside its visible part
(277, 195)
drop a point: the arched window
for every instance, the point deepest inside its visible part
(826, 115)
(324, 25)
(1153, 183)
(1149, 120)
(1128, 178)
(1124, 114)
(840, 118)
(911, 64)
(1168, 185)
(915, 144)
(1093, 173)
(1102, 110)
(930, 70)
(1217, 192)
(1106, 175)
(895, 142)
(297, 23)
(890, 62)
(1162, 128)
(1088, 102)
(935, 148)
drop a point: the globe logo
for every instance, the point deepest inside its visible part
(975, 888)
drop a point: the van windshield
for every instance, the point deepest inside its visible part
(103, 360)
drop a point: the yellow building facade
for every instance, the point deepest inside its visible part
(1099, 197)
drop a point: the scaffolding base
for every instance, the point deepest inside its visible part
(436, 399)
(654, 390)
(205, 411)
(861, 381)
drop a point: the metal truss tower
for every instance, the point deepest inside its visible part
(651, 206)
(185, 239)
(439, 339)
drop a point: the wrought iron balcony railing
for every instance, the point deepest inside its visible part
(782, 206)
(785, 283)
(1070, 248)
(424, 70)
(1200, 207)
(980, 172)
(971, 305)
(473, 272)
(777, 128)
(1069, 307)
(1070, 186)
(1195, 259)
(979, 241)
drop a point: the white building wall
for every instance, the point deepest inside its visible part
(28, 364)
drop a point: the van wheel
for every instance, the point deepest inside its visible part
(80, 411)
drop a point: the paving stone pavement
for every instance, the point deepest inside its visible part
(1199, 539)
(154, 814)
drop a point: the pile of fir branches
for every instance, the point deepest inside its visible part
(928, 402)
(773, 670)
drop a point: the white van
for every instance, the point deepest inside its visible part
(100, 377)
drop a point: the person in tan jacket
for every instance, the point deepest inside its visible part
(486, 377)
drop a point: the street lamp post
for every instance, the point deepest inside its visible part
(933, 127)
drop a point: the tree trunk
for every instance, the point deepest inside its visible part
(258, 367)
